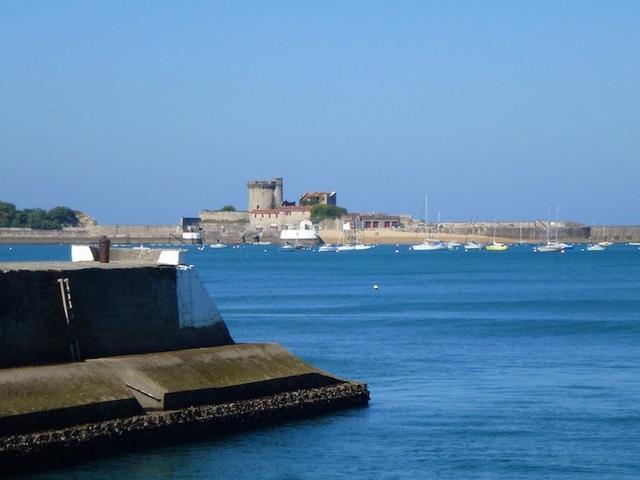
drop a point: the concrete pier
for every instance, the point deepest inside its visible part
(99, 357)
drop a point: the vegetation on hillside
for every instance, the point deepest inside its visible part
(37, 218)
(322, 212)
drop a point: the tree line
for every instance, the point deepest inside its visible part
(37, 218)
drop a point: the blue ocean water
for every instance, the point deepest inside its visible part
(481, 365)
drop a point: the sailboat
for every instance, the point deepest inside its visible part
(495, 246)
(604, 242)
(472, 245)
(328, 247)
(428, 244)
(550, 247)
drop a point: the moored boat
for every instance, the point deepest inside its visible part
(428, 244)
(328, 248)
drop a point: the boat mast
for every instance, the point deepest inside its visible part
(426, 218)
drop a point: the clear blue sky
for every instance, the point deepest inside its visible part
(140, 112)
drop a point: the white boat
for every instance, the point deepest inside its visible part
(453, 245)
(353, 243)
(328, 248)
(288, 248)
(262, 243)
(218, 245)
(552, 247)
(472, 246)
(496, 247)
(595, 247)
(428, 244)
(605, 242)
(634, 244)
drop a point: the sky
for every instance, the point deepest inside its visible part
(142, 112)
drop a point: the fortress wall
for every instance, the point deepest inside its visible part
(220, 216)
(118, 310)
(624, 233)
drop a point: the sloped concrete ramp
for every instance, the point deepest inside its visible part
(201, 376)
(55, 396)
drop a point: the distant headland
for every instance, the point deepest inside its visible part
(268, 214)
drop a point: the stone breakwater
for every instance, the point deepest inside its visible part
(81, 442)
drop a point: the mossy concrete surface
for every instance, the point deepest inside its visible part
(32, 398)
(214, 375)
(35, 398)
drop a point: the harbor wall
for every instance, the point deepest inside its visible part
(624, 233)
(134, 234)
(226, 227)
(156, 365)
(116, 311)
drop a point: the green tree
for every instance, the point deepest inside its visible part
(7, 211)
(228, 208)
(37, 218)
(322, 212)
(63, 216)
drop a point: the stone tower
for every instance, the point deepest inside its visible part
(265, 193)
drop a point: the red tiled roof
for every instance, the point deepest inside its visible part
(282, 209)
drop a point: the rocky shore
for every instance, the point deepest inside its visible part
(43, 450)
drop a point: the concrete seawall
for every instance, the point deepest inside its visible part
(98, 358)
(119, 309)
(133, 234)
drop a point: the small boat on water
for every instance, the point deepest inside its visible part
(345, 248)
(363, 246)
(634, 244)
(218, 245)
(428, 244)
(552, 247)
(328, 248)
(453, 245)
(495, 246)
(472, 246)
(605, 244)
(595, 247)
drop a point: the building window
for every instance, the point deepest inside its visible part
(367, 224)
(376, 224)
(387, 224)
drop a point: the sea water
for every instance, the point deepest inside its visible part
(481, 365)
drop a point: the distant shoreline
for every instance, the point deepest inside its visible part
(172, 234)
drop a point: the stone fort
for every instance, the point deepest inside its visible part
(265, 194)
